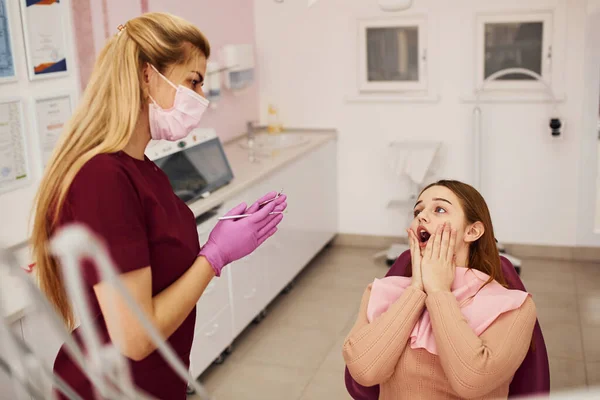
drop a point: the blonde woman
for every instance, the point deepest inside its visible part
(147, 83)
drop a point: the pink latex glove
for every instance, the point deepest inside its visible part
(231, 240)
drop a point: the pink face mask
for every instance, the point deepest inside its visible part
(180, 120)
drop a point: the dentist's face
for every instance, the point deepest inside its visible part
(436, 206)
(190, 74)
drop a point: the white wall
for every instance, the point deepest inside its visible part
(15, 206)
(589, 161)
(308, 68)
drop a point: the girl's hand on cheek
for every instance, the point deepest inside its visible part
(415, 255)
(437, 264)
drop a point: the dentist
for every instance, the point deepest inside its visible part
(146, 84)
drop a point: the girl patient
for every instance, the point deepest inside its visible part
(453, 330)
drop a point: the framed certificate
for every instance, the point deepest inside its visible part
(14, 165)
(51, 114)
(45, 30)
(7, 61)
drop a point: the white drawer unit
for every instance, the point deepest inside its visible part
(254, 281)
(311, 222)
(249, 289)
(210, 340)
(214, 298)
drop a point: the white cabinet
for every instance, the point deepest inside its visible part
(210, 340)
(249, 291)
(214, 299)
(311, 222)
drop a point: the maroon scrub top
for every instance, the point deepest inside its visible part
(130, 204)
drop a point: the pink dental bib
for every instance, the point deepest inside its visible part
(479, 311)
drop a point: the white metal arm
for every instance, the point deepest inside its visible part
(7, 259)
(28, 371)
(75, 242)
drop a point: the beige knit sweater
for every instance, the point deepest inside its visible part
(467, 365)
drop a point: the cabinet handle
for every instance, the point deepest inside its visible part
(212, 333)
(251, 295)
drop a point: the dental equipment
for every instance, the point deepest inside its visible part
(35, 372)
(38, 299)
(18, 380)
(31, 369)
(74, 243)
(260, 205)
(478, 134)
(246, 215)
(104, 359)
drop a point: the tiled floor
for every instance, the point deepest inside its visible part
(295, 353)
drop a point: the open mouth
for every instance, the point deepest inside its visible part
(423, 235)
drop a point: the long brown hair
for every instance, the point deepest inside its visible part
(483, 253)
(104, 122)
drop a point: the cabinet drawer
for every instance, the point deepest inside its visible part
(214, 298)
(210, 340)
(249, 287)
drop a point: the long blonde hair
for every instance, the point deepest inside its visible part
(104, 122)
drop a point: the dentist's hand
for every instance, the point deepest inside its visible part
(231, 240)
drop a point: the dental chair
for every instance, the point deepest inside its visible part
(532, 377)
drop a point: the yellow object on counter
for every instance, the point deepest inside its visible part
(273, 124)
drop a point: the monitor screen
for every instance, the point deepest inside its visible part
(197, 170)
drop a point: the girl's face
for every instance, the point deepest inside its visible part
(436, 206)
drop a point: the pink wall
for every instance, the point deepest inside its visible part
(222, 21)
(84, 38)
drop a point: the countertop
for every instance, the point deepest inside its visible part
(247, 173)
(13, 292)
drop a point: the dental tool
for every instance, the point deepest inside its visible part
(74, 243)
(260, 205)
(247, 215)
